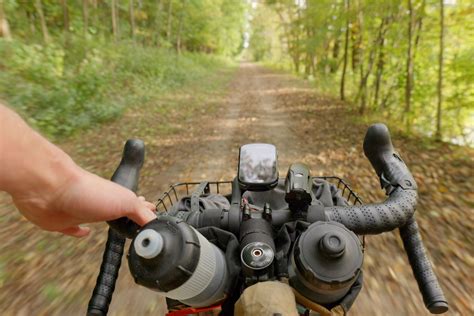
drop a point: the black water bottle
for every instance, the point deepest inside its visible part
(326, 261)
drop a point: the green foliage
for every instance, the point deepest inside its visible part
(213, 26)
(68, 67)
(60, 97)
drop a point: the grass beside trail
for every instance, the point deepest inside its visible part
(62, 89)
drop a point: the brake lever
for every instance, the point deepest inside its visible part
(127, 174)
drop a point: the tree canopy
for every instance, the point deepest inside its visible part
(410, 61)
(213, 26)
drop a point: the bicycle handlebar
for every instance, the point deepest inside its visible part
(395, 212)
(126, 175)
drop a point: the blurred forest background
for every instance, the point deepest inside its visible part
(66, 65)
(410, 62)
(91, 73)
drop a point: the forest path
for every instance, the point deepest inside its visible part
(55, 275)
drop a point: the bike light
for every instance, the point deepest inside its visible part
(298, 187)
(256, 256)
(171, 257)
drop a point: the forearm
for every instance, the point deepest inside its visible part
(29, 162)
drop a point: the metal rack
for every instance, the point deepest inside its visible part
(182, 189)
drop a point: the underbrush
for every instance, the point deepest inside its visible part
(60, 90)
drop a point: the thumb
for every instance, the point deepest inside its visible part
(76, 231)
(142, 215)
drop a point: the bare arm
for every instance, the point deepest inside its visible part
(52, 191)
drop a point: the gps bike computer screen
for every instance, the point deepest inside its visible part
(258, 167)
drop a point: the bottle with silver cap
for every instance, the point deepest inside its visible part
(171, 257)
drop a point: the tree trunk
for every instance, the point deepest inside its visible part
(44, 27)
(170, 17)
(115, 29)
(31, 21)
(65, 16)
(379, 71)
(409, 66)
(180, 27)
(309, 58)
(371, 60)
(85, 16)
(4, 26)
(392, 83)
(346, 51)
(418, 27)
(66, 34)
(356, 39)
(292, 49)
(438, 134)
(158, 20)
(95, 16)
(335, 55)
(132, 19)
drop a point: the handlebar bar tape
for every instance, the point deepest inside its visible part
(126, 175)
(109, 269)
(432, 293)
(395, 178)
(375, 218)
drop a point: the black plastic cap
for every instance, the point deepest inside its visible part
(332, 244)
(175, 263)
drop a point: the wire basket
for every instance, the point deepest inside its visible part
(182, 189)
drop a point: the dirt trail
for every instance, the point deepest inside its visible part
(267, 106)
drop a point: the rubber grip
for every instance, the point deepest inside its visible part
(127, 174)
(432, 293)
(109, 269)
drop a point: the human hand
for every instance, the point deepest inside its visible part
(83, 198)
(53, 192)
